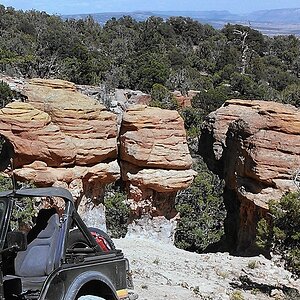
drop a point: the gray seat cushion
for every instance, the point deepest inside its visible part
(39, 258)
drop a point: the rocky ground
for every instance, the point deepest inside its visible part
(161, 271)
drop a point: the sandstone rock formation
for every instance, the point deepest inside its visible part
(64, 138)
(255, 147)
(153, 137)
(154, 158)
(59, 126)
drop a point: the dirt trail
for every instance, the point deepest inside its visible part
(161, 271)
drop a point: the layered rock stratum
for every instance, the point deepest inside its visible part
(255, 147)
(62, 137)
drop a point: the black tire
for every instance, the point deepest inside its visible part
(77, 240)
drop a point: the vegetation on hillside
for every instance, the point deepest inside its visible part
(202, 212)
(6, 94)
(178, 53)
(116, 211)
(5, 183)
(24, 209)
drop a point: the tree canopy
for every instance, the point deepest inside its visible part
(178, 53)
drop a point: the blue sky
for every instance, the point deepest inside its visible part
(94, 6)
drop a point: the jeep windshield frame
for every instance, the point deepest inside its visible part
(39, 192)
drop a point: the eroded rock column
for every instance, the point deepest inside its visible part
(255, 146)
(63, 138)
(155, 164)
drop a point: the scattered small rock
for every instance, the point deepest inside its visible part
(182, 275)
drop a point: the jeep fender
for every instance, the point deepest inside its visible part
(84, 278)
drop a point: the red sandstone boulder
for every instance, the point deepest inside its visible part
(43, 175)
(255, 147)
(64, 138)
(184, 100)
(84, 121)
(154, 138)
(160, 180)
(58, 129)
(60, 135)
(34, 136)
(155, 160)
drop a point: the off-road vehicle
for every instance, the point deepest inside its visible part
(60, 263)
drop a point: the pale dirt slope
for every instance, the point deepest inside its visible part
(161, 271)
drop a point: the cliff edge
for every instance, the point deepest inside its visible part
(255, 147)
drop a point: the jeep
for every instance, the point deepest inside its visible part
(64, 261)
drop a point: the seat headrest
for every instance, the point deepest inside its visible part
(53, 224)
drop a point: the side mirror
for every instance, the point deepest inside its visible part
(17, 240)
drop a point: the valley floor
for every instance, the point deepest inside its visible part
(161, 271)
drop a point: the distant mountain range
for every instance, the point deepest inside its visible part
(270, 22)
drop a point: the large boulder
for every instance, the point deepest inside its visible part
(62, 137)
(255, 147)
(185, 100)
(160, 180)
(89, 127)
(42, 175)
(155, 163)
(59, 126)
(154, 138)
(34, 136)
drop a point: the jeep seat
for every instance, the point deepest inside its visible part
(39, 258)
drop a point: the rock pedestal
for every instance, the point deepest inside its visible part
(255, 147)
(155, 160)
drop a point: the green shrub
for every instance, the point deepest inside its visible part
(264, 235)
(211, 100)
(5, 183)
(24, 209)
(291, 95)
(162, 97)
(23, 212)
(237, 295)
(192, 121)
(281, 234)
(117, 214)
(6, 94)
(201, 211)
(252, 264)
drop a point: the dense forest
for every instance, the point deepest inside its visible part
(158, 56)
(178, 53)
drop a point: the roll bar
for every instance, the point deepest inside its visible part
(40, 192)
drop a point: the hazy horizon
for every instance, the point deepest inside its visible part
(68, 7)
